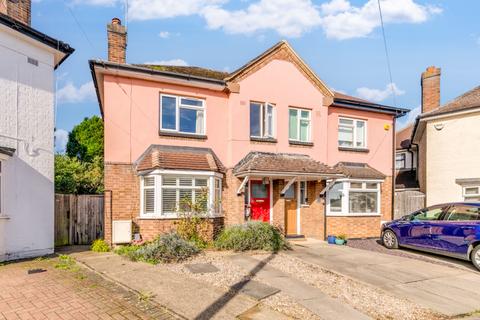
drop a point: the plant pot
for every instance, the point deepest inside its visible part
(340, 242)
(331, 239)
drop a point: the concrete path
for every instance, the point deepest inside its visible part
(187, 297)
(311, 298)
(450, 291)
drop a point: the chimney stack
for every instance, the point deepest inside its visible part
(430, 89)
(117, 41)
(20, 10)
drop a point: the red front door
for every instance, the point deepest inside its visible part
(259, 201)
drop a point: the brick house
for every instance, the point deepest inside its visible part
(269, 141)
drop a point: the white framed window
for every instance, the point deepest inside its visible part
(182, 114)
(354, 197)
(299, 125)
(262, 120)
(165, 195)
(400, 160)
(303, 193)
(352, 133)
(471, 193)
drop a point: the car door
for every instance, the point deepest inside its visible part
(418, 233)
(453, 234)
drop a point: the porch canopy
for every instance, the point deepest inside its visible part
(286, 166)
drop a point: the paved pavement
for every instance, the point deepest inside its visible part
(186, 296)
(447, 290)
(310, 297)
(73, 293)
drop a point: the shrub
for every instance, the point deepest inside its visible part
(253, 235)
(100, 245)
(128, 251)
(166, 248)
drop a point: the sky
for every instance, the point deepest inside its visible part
(340, 40)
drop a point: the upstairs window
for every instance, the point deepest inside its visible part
(400, 161)
(262, 120)
(352, 133)
(299, 125)
(182, 114)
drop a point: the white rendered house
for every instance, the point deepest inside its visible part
(27, 65)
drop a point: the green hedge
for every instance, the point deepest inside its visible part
(253, 235)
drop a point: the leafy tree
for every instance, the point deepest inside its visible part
(80, 170)
(85, 142)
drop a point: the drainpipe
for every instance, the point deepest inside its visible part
(393, 168)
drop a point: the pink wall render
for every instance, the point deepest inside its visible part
(132, 109)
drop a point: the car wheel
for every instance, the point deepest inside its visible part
(390, 239)
(476, 257)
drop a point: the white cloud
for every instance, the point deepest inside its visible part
(61, 139)
(409, 118)
(172, 62)
(72, 94)
(164, 34)
(346, 21)
(160, 9)
(378, 95)
(289, 18)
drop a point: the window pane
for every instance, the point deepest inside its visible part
(345, 136)
(191, 102)
(169, 200)
(169, 181)
(149, 181)
(201, 199)
(429, 214)
(269, 121)
(290, 193)
(356, 185)
(191, 121)
(372, 185)
(186, 182)
(360, 133)
(305, 114)
(304, 130)
(303, 192)
(464, 213)
(149, 200)
(255, 118)
(259, 190)
(185, 196)
(201, 182)
(346, 122)
(293, 124)
(363, 202)
(471, 190)
(335, 196)
(168, 113)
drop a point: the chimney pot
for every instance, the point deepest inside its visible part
(117, 41)
(430, 82)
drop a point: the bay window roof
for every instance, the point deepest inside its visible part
(178, 158)
(358, 170)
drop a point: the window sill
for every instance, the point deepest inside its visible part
(348, 215)
(182, 135)
(300, 143)
(267, 140)
(364, 150)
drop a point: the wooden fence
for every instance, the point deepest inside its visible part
(78, 219)
(407, 202)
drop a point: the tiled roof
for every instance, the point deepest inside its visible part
(339, 95)
(281, 163)
(403, 138)
(406, 180)
(178, 158)
(468, 100)
(187, 70)
(7, 151)
(359, 170)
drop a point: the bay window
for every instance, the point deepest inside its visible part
(167, 195)
(182, 115)
(354, 198)
(262, 120)
(352, 133)
(299, 125)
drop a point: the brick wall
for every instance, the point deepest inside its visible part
(122, 190)
(312, 216)
(386, 199)
(19, 10)
(430, 89)
(117, 41)
(233, 204)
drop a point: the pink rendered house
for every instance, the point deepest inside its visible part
(269, 141)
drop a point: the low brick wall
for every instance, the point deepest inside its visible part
(354, 227)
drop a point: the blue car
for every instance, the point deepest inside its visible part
(449, 229)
